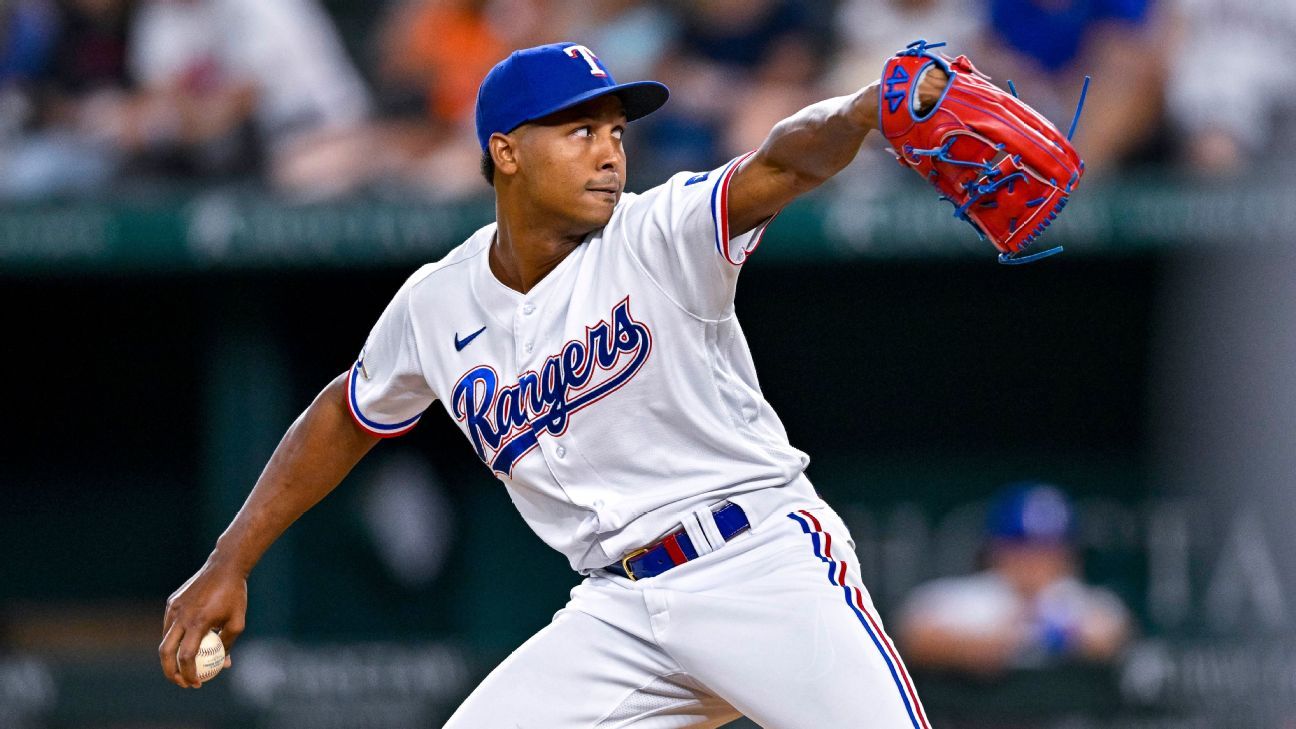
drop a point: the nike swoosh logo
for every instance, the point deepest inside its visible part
(461, 343)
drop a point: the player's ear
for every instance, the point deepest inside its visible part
(504, 151)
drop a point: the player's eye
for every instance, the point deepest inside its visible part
(584, 131)
(618, 132)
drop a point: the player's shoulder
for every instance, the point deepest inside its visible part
(665, 197)
(451, 270)
(688, 181)
(703, 185)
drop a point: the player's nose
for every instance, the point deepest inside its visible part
(609, 155)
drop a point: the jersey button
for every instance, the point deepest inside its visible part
(530, 346)
(528, 308)
(560, 451)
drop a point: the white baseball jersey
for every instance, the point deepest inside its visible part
(617, 401)
(616, 395)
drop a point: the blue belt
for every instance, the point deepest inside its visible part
(676, 548)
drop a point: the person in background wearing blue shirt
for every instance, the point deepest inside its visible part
(1047, 47)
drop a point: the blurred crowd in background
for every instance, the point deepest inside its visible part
(1164, 403)
(324, 99)
(1028, 607)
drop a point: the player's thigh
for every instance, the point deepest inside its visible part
(797, 643)
(581, 673)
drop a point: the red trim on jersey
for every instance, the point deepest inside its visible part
(760, 235)
(886, 641)
(818, 527)
(724, 207)
(858, 600)
(724, 216)
(360, 424)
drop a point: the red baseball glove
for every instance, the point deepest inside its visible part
(1006, 169)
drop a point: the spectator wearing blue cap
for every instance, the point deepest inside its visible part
(1028, 608)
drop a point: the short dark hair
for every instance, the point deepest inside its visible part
(488, 168)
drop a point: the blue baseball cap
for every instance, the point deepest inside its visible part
(1031, 512)
(536, 82)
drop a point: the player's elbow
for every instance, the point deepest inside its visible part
(332, 402)
(335, 392)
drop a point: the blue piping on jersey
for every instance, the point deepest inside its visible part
(373, 425)
(715, 216)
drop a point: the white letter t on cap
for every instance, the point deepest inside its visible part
(590, 58)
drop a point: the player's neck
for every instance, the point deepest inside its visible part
(522, 255)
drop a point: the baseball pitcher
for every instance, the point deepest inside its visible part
(587, 347)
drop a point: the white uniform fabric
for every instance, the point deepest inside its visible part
(618, 402)
(616, 395)
(775, 625)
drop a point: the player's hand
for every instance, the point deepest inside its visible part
(214, 598)
(929, 92)
(930, 89)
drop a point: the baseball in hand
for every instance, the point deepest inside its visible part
(211, 657)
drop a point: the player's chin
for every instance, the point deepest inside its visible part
(597, 206)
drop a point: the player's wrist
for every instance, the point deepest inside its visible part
(225, 560)
(864, 107)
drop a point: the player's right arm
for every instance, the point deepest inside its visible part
(316, 453)
(383, 395)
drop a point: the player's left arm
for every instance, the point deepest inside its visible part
(805, 149)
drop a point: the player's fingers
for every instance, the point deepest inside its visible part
(231, 631)
(930, 87)
(173, 603)
(187, 654)
(228, 661)
(174, 608)
(167, 653)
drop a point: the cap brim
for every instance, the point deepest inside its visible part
(640, 99)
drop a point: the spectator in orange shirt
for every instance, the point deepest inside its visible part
(439, 50)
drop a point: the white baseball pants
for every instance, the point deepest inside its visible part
(774, 625)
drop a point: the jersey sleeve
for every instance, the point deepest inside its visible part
(387, 390)
(679, 231)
